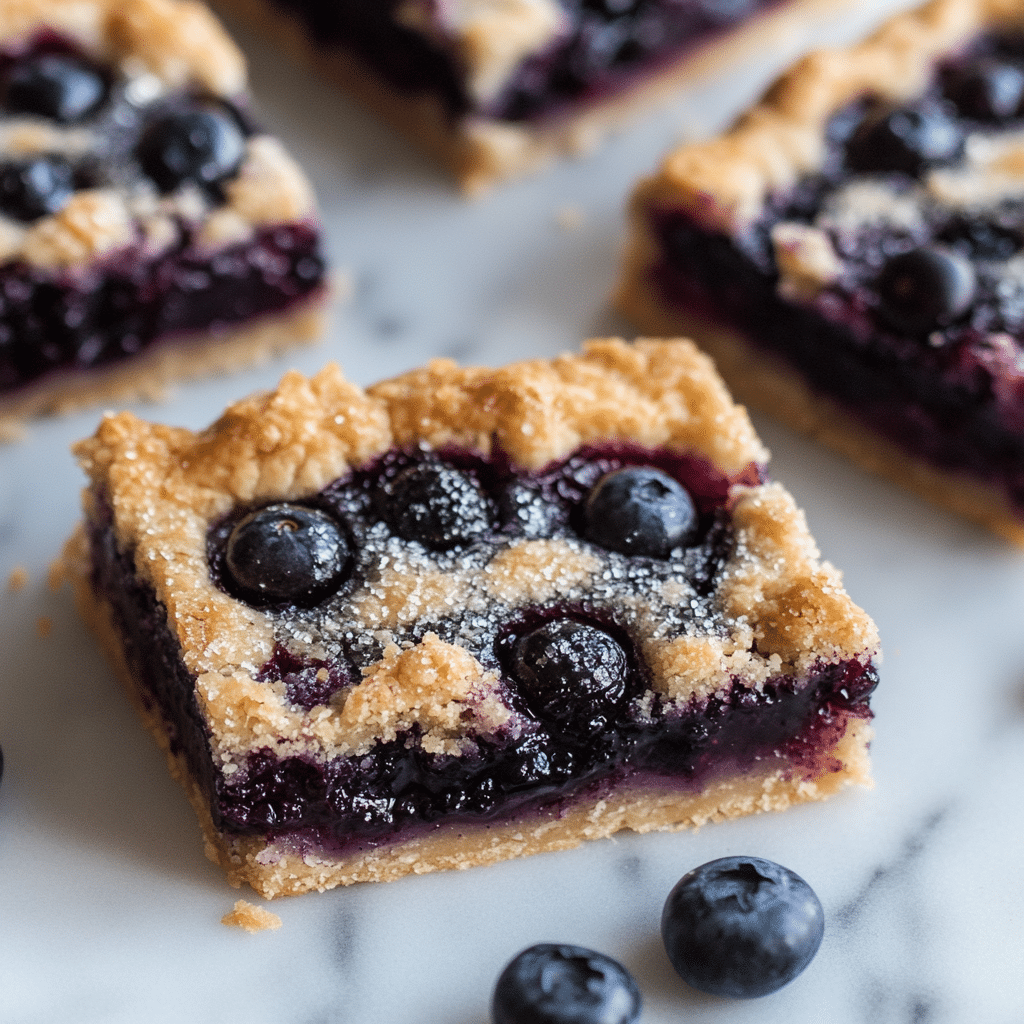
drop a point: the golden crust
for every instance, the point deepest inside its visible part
(779, 609)
(723, 182)
(480, 152)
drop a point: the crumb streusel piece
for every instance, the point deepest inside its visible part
(149, 230)
(470, 614)
(851, 253)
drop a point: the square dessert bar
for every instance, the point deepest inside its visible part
(851, 252)
(495, 88)
(149, 230)
(470, 614)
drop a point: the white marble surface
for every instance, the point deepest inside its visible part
(109, 911)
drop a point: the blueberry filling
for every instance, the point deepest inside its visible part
(131, 299)
(916, 337)
(605, 45)
(571, 672)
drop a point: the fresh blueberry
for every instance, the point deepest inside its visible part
(907, 139)
(58, 86)
(204, 146)
(639, 511)
(528, 511)
(571, 675)
(437, 505)
(925, 289)
(987, 90)
(286, 553)
(741, 926)
(30, 189)
(552, 983)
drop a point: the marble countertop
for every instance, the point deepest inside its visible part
(109, 911)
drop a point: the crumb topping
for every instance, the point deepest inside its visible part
(251, 918)
(423, 622)
(723, 182)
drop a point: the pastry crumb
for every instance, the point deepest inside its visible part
(250, 917)
(44, 625)
(569, 218)
(18, 578)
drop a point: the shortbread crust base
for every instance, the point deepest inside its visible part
(480, 152)
(273, 871)
(767, 383)
(148, 375)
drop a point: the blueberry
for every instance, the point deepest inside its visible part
(437, 505)
(559, 984)
(987, 90)
(571, 675)
(528, 511)
(907, 139)
(639, 511)
(286, 553)
(741, 926)
(925, 289)
(30, 189)
(63, 88)
(204, 146)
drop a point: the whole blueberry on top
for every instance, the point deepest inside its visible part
(204, 146)
(525, 509)
(286, 553)
(741, 926)
(34, 188)
(925, 288)
(58, 86)
(437, 505)
(908, 139)
(552, 983)
(572, 675)
(639, 510)
(988, 89)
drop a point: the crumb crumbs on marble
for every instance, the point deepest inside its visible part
(44, 625)
(18, 578)
(250, 917)
(569, 217)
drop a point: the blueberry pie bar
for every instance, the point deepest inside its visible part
(149, 230)
(494, 88)
(851, 252)
(470, 614)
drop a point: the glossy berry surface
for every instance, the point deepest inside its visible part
(203, 146)
(286, 553)
(988, 89)
(926, 288)
(560, 984)
(30, 189)
(741, 927)
(437, 505)
(639, 510)
(57, 86)
(571, 674)
(908, 139)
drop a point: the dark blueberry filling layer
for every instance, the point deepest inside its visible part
(606, 45)
(93, 316)
(125, 305)
(920, 336)
(571, 671)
